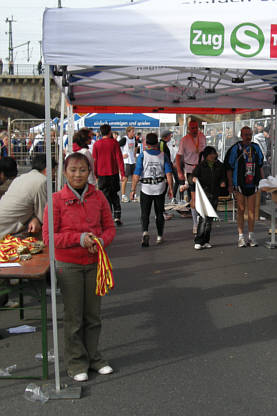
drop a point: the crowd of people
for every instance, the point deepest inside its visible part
(89, 206)
(114, 159)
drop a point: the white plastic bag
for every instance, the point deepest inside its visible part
(202, 203)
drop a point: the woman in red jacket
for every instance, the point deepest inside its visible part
(80, 212)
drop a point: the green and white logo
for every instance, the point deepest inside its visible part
(207, 38)
(247, 40)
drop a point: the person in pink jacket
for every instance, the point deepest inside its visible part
(80, 212)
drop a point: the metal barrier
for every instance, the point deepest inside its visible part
(25, 140)
(223, 135)
(21, 69)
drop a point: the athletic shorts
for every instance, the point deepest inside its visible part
(246, 191)
(129, 169)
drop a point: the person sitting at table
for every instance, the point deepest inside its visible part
(8, 172)
(22, 206)
(80, 213)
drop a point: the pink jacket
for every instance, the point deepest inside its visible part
(72, 218)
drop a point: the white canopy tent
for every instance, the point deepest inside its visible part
(152, 56)
(157, 55)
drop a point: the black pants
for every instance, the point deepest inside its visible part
(205, 225)
(110, 185)
(176, 183)
(146, 204)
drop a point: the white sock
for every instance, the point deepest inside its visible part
(251, 234)
(194, 216)
(241, 236)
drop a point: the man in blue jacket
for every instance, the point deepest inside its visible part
(244, 161)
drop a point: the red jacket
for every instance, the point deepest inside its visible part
(72, 218)
(75, 147)
(107, 157)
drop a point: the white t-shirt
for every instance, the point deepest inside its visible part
(129, 149)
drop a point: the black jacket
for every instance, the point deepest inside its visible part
(210, 178)
(164, 148)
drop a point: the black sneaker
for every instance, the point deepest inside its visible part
(118, 222)
(145, 240)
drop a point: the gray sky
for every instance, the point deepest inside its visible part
(28, 26)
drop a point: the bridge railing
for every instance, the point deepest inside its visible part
(21, 69)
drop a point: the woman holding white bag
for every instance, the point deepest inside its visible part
(210, 172)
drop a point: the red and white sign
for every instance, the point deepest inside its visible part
(273, 41)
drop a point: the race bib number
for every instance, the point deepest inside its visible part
(249, 172)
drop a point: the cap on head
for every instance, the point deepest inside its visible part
(151, 139)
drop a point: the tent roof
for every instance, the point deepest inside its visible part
(156, 56)
(129, 88)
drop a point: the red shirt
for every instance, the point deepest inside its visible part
(107, 157)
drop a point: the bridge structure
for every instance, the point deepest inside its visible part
(26, 93)
(22, 89)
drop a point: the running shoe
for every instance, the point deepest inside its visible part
(145, 239)
(80, 377)
(107, 369)
(241, 242)
(252, 241)
(118, 222)
(124, 198)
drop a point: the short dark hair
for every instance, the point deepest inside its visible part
(81, 137)
(9, 167)
(152, 139)
(39, 162)
(76, 156)
(105, 129)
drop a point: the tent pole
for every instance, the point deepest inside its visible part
(273, 167)
(51, 227)
(272, 242)
(70, 128)
(60, 164)
(223, 140)
(234, 125)
(275, 137)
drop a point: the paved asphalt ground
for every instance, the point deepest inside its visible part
(188, 332)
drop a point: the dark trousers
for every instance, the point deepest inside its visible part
(82, 321)
(110, 185)
(205, 225)
(146, 204)
(176, 182)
